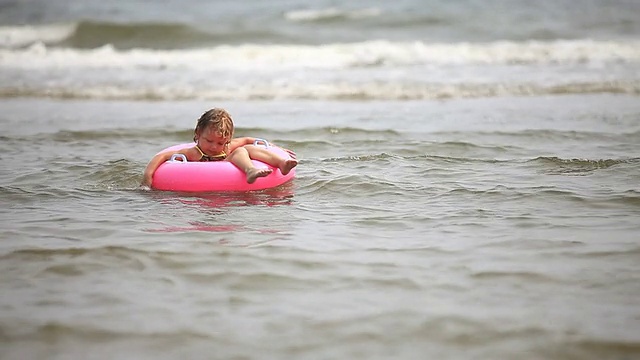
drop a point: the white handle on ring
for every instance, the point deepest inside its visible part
(175, 157)
(264, 142)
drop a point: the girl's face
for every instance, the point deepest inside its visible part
(211, 142)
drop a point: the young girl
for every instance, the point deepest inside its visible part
(213, 137)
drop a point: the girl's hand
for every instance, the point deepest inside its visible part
(146, 183)
(290, 152)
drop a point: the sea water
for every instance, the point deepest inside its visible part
(467, 186)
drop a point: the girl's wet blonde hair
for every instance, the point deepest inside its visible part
(217, 119)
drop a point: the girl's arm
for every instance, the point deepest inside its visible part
(153, 165)
(158, 160)
(238, 142)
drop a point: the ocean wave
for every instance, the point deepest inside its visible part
(370, 70)
(71, 136)
(584, 163)
(95, 333)
(150, 35)
(76, 137)
(556, 135)
(352, 185)
(91, 34)
(327, 56)
(348, 71)
(516, 275)
(578, 167)
(311, 91)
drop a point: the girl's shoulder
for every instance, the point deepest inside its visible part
(191, 153)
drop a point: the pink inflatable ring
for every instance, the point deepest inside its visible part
(178, 174)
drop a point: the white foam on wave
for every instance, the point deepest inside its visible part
(326, 91)
(307, 15)
(330, 56)
(19, 36)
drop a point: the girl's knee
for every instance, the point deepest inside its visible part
(252, 149)
(238, 151)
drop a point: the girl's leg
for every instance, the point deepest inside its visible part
(266, 156)
(240, 158)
